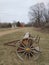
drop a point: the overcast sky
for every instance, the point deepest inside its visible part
(17, 10)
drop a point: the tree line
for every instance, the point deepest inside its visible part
(9, 25)
(5, 25)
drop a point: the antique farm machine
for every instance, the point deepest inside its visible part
(28, 47)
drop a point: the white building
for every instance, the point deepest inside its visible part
(14, 25)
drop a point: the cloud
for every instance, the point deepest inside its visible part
(16, 9)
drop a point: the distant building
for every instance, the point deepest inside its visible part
(22, 25)
(14, 25)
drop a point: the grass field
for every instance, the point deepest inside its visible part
(8, 54)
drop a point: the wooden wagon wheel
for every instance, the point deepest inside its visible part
(26, 49)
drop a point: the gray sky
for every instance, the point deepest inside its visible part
(17, 10)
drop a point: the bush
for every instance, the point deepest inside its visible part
(5, 25)
(47, 25)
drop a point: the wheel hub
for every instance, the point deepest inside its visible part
(27, 49)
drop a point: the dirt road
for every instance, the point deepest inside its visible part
(9, 31)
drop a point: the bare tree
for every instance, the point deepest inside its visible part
(46, 15)
(36, 13)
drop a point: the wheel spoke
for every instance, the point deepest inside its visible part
(31, 46)
(28, 55)
(32, 51)
(23, 53)
(36, 50)
(19, 51)
(29, 42)
(31, 54)
(21, 47)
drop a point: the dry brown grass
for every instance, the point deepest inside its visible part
(8, 54)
